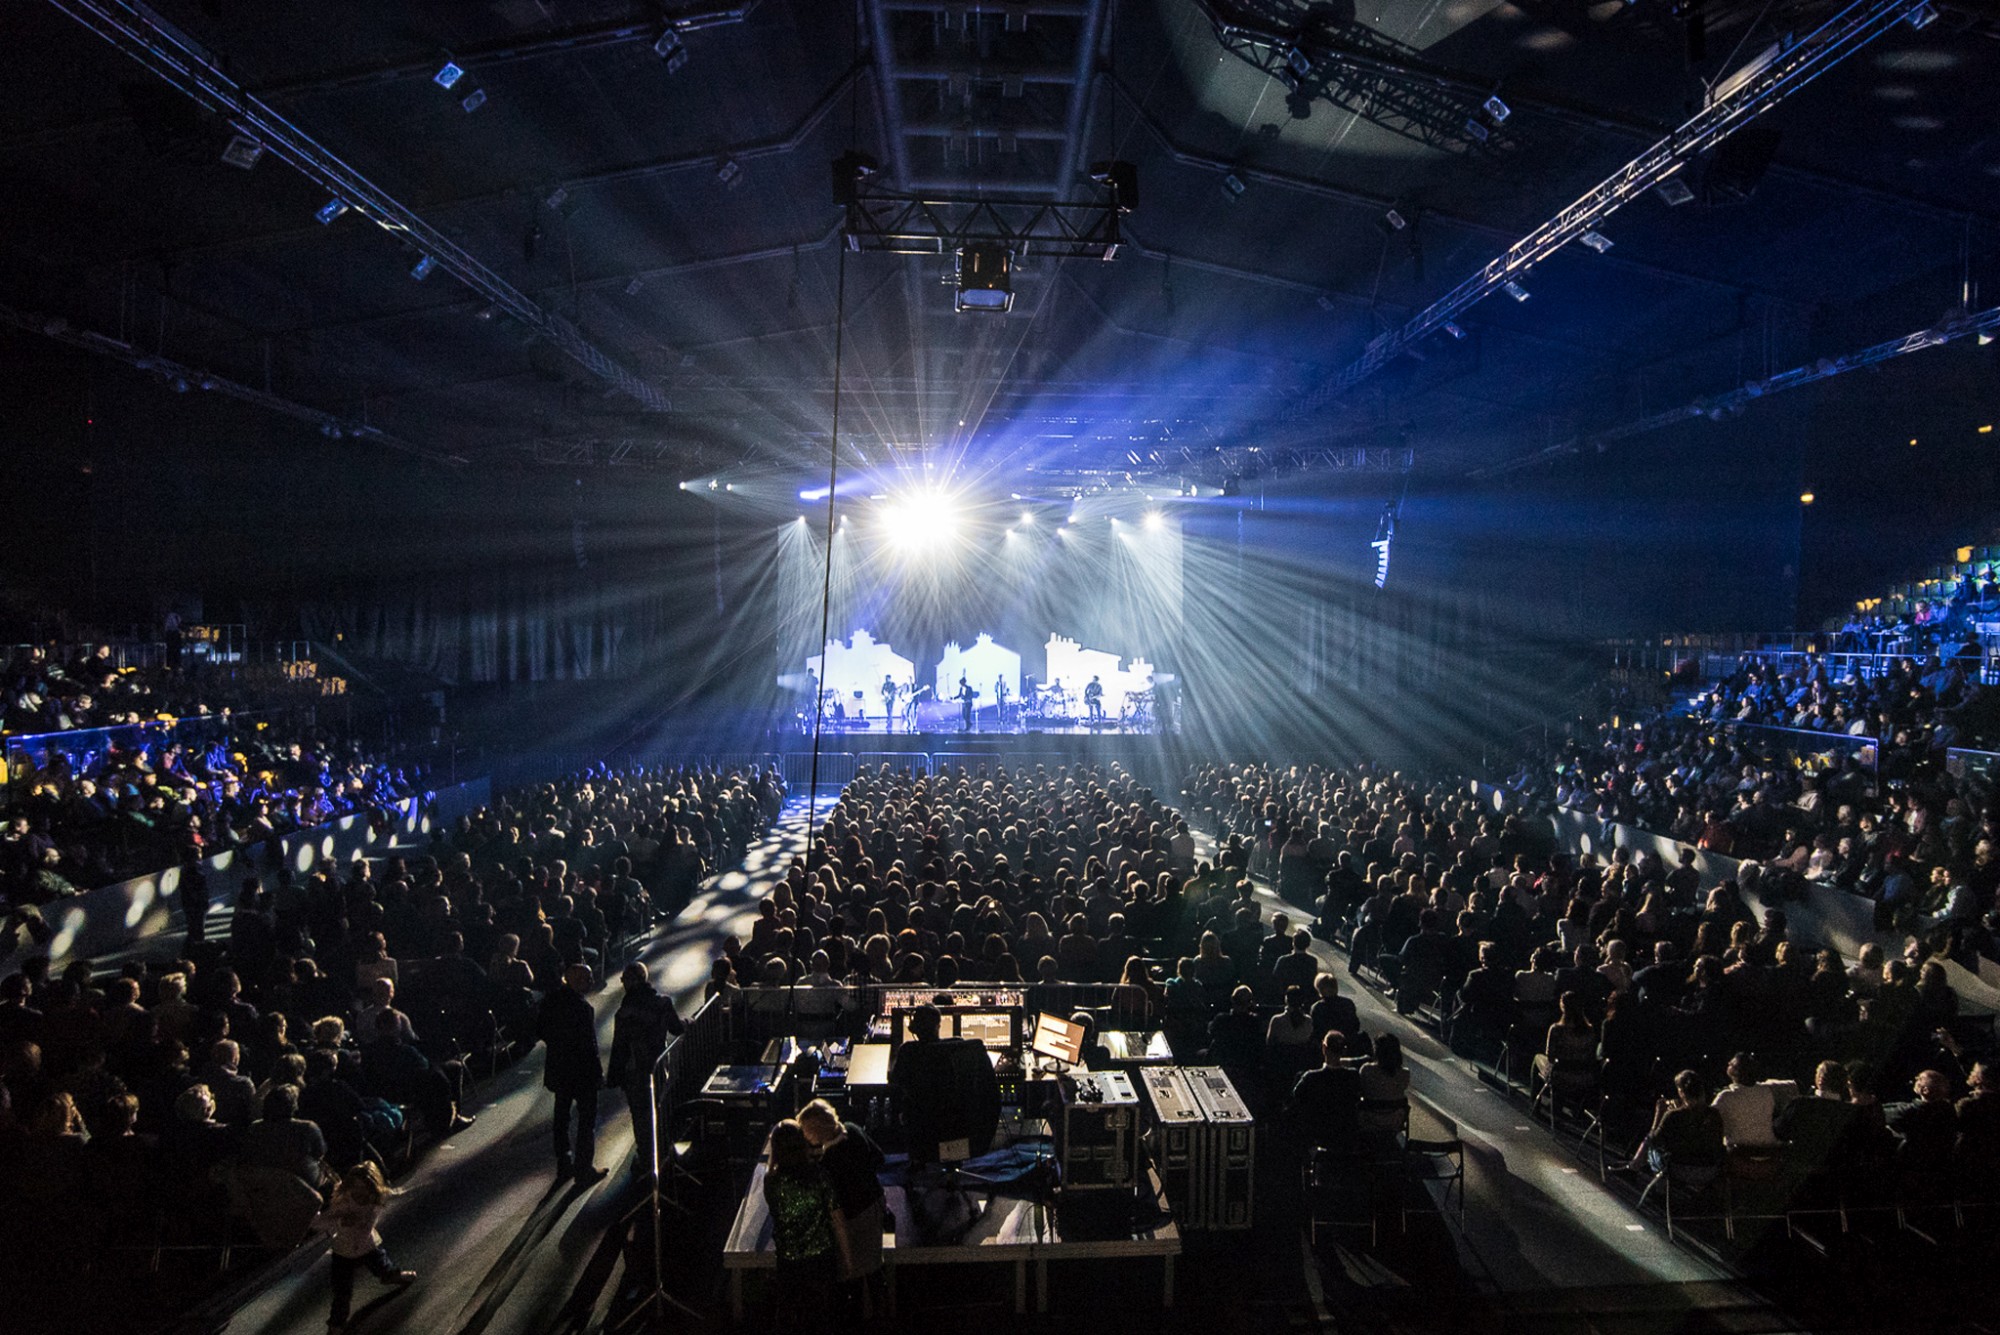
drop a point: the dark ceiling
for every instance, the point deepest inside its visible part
(683, 222)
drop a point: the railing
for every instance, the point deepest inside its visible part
(1964, 763)
(1719, 655)
(1820, 746)
(29, 755)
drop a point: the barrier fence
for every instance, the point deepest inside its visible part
(25, 756)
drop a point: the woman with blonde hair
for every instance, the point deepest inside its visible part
(852, 1163)
(351, 1217)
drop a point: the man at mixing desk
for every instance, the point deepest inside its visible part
(946, 1088)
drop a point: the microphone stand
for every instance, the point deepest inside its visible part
(657, 1300)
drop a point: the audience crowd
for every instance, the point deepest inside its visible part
(1895, 823)
(56, 688)
(342, 1013)
(161, 798)
(1627, 980)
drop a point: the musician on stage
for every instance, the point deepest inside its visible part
(1000, 700)
(965, 696)
(1093, 698)
(889, 693)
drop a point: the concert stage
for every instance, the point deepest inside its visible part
(1151, 757)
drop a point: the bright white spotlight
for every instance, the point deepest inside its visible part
(1155, 520)
(1027, 519)
(921, 520)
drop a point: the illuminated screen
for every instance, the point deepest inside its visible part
(995, 1029)
(1058, 1038)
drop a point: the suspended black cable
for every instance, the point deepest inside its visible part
(832, 486)
(826, 578)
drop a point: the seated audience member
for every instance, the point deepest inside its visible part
(235, 1094)
(1817, 1129)
(1288, 1039)
(1979, 1126)
(1486, 1002)
(1326, 1101)
(1686, 1136)
(1748, 1109)
(1568, 1059)
(1384, 1085)
(283, 1140)
(337, 1109)
(1332, 1010)
(1236, 1037)
(397, 1070)
(1297, 967)
(379, 999)
(1927, 1125)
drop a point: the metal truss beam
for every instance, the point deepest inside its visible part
(562, 42)
(1168, 465)
(184, 378)
(1953, 327)
(706, 160)
(176, 59)
(623, 452)
(899, 128)
(1361, 71)
(1794, 68)
(909, 225)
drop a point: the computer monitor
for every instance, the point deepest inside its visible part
(993, 1029)
(997, 1030)
(1058, 1039)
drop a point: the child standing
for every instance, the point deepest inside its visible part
(357, 1204)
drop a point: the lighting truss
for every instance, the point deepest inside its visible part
(1361, 71)
(1956, 325)
(1171, 466)
(187, 67)
(182, 375)
(646, 453)
(1798, 65)
(940, 225)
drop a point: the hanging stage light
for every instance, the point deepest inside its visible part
(672, 50)
(243, 151)
(985, 279)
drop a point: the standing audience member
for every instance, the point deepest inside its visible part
(646, 1019)
(853, 1165)
(572, 1073)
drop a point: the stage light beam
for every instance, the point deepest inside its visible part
(920, 521)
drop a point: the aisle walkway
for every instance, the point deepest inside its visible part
(1544, 1238)
(501, 1247)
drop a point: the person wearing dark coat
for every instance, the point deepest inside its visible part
(639, 1033)
(568, 1027)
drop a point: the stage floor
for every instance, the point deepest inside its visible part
(985, 728)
